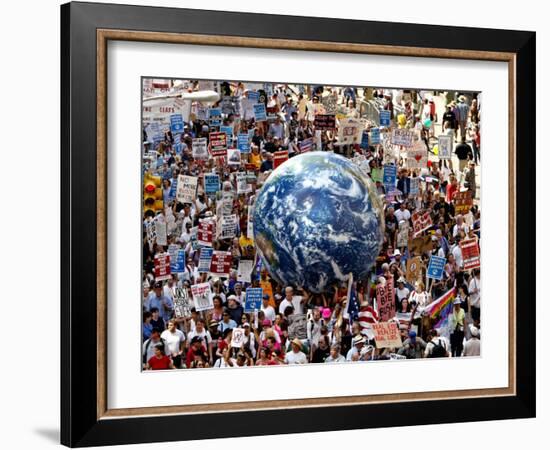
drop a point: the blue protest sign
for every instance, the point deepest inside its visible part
(211, 183)
(243, 144)
(173, 189)
(253, 299)
(215, 117)
(385, 118)
(227, 130)
(177, 264)
(390, 174)
(254, 96)
(177, 139)
(205, 259)
(365, 140)
(436, 267)
(260, 113)
(176, 123)
(375, 136)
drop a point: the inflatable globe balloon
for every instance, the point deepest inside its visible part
(317, 219)
(427, 123)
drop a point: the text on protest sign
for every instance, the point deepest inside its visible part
(385, 298)
(200, 148)
(444, 146)
(279, 158)
(243, 143)
(162, 267)
(215, 117)
(390, 175)
(421, 222)
(205, 259)
(325, 122)
(242, 183)
(177, 264)
(228, 226)
(211, 183)
(176, 123)
(182, 303)
(385, 118)
(187, 189)
(463, 202)
(414, 189)
(244, 272)
(202, 296)
(374, 136)
(221, 263)
(253, 300)
(260, 113)
(218, 144)
(436, 267)
(206, 231)
(470, 253)
(386, 335)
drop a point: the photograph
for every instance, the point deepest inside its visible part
(288, 224)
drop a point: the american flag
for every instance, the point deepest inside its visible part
(367, 316)
(306, 145)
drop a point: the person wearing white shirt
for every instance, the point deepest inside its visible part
(402, 291)
(472, 347)
(335, 356)
(474, 289)
(174, 340)
(402, 213)
(296, 356)
(268, 310)
(460, 226)
(296, 301)
(457, 253)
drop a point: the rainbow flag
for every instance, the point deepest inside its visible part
(440, 308)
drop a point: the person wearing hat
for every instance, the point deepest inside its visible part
(473, 345)
(196, 352)
(235, 309)
(402, 291)
(413, 347)
(296, 355)
(268, 310)
(358, 342)
(456, 325)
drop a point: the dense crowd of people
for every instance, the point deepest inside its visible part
(430, 211)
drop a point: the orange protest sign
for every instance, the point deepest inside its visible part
(386, 335)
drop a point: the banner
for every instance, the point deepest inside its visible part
(402, 136)
(387, 335)
(470, 253)
(325, 122)
(260, 114)
(162, 266)
(183, 304)
(211, 183)
(205, 232)
(253, 300)
(228, 226)
(421, 222)
(202, 296)
(463, 202)
(187, 189)
(218, 144)
(200, 148)
(385, 118)
(244, 272)
(414, 269)
(221, 263)
(205, 259)
(243, 143)
(233, 157)
(176, 123)
(436, 267)
(444, 146)
(279, 158)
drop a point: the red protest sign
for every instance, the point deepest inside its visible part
(162, 266)
(221, 263)
(218, 144)
(463, 202)
(279, 158)
(470, 254)
(421, 222)
(205, 232)
(385, 300)
(386, 334)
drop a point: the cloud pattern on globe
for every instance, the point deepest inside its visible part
(316, 219)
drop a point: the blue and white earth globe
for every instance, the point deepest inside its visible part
(317, 219)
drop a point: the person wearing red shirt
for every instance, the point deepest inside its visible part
(159, 361)
(196, 350)
(452, 189)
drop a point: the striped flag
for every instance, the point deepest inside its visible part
(440, 308)
(353, 307)
(367, 316)
(306, 145)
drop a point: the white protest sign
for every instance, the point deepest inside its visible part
(202, 296)
(403, 136)
(200, 148)
(417, 156)
(182, 303)
(244, 273)
(350, 131)
(228, 226)
(444, 146)
(242, 186)
(233, 157)
(237, 339)
(187, 188)
(160, 228)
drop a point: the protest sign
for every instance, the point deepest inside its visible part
(260, 113)
(377, 174)
(205, 232)
(160, 228)
(470, 253)
(402, 136)
(414, 188)
(417, 156)
(390, 175)
(215, 117)
(364, 139)
(444, 146)
(330, 103)
(205, 259)
(253, 299)
(253, 95)
(230, 105)
(350, 131)
(228, 226)
(211, 183)
(414, 269)
(227, 129)
(250, 176)
(237, 337)
(176, 123)
(385, 118)
(202, 296)
(226, 202)
(421, 222)
(279, 158)
(375, 136)
(420, 245)
(162, 267)
(183, 304)
(201, 112)
(325, 122)
(233, 157)
(177, 264)
(243, 143)
(386, 335)
(463, 202)
(218, 144)
(403, 233)
(297, 326)
(244, 272)
(187, 189)
(250, 218)
(242, 183)
(221, 263)
(200, 148)
(436, 267)
(385, 302)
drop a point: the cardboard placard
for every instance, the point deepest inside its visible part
(387, 335)
(421, 222)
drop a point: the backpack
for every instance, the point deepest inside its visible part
(147, 345)
(438, 350)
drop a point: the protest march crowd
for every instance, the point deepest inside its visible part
(208, 301)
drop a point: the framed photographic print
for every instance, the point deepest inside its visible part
(278, 219)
